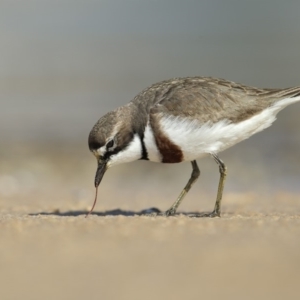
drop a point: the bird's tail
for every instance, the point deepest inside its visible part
(293, 92)
(284, 97)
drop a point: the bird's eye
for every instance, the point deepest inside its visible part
(110, 144)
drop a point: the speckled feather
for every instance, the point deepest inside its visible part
(208, 99)
(204, 99)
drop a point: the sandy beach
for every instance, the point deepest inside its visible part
(49, 250)
(238, 256)
(63, 65)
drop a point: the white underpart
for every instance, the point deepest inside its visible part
(131, 153)
(197, 140)
(150, 144)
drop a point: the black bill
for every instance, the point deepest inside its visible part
(100, 172)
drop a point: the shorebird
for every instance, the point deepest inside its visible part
(183, 119)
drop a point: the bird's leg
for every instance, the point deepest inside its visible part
(195, 174)
(223, 172)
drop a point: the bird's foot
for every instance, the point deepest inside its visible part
(170, 212)
(213, 214)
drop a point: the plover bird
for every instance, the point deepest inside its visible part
(183, 119)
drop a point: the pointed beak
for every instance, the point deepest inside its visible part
(100, 172)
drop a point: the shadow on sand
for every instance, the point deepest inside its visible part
(153, 211)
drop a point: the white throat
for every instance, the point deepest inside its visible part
(150, 144)
(131, 153)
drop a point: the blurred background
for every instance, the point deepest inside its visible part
(63, 64)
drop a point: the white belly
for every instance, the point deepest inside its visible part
(197, 140)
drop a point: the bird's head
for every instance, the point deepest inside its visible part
(113, 141)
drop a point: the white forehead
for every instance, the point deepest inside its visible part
(101, 151)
